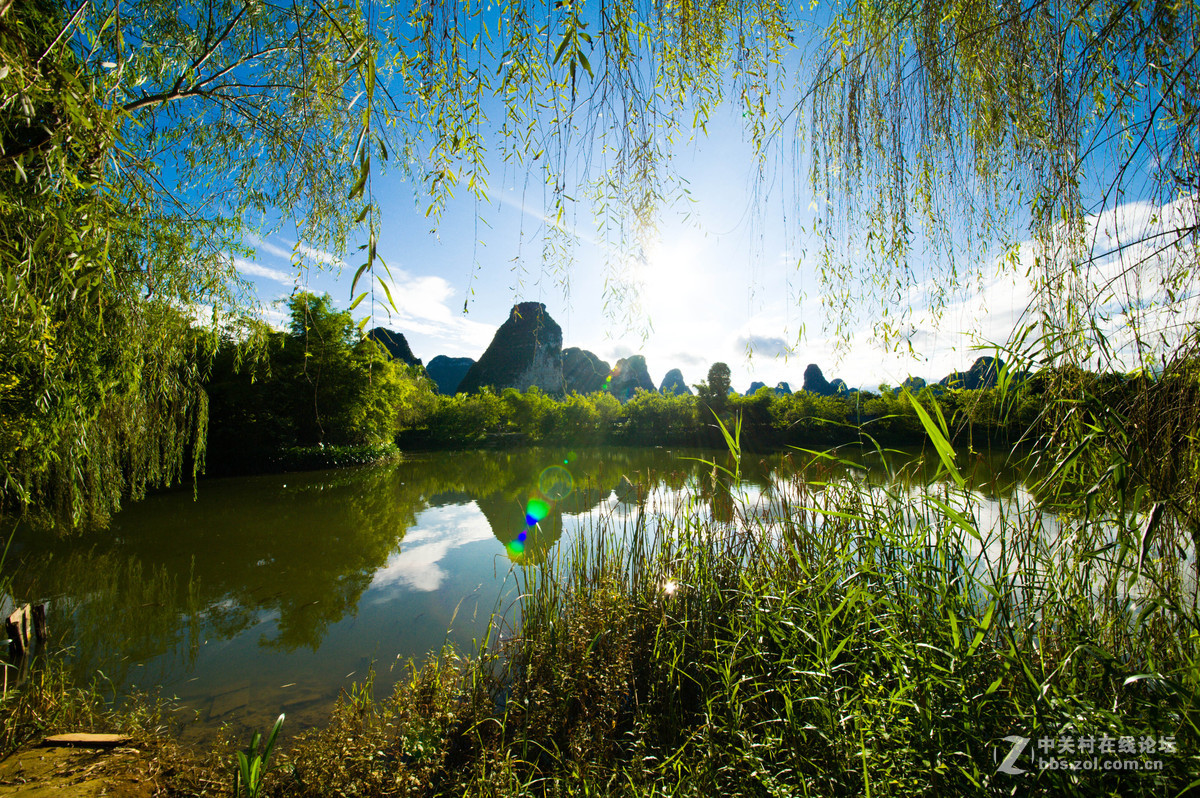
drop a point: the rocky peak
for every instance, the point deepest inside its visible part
(448, 372)
(628, 375)
(396, 345)
(984, 373)
(673, 384)
(815, 382)
(526, 351)
(583, 372)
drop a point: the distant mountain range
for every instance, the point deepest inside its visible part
(526, 351)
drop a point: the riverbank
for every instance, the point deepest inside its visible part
(769, 422)
(830, 639)
(300, 458)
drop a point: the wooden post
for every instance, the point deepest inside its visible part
(39, 623)
(17, 628)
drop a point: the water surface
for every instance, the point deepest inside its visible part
(269, 594)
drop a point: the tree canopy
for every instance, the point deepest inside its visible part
(319, 383)
(140, 140)
(941, 130)
(135, 139)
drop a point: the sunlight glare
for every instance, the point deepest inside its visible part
(668, 277)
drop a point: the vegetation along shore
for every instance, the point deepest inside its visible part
(253, 546)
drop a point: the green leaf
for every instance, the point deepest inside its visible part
(360, 184)
(563, 46)
(388, 292)
(838, 650)
(958, 518)
(357, 275)
(937, 436)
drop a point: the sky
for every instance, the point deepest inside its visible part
(724, 285)
(731, 278)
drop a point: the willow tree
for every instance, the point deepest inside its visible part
(933, 130)
(1060, 139)
(137, 140)
(939, 141)
(1068, 126)
(942, 142)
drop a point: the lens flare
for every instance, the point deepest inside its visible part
(516, 547)
(535, 511)
(556, 483)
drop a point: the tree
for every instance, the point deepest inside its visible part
(934, 129)
(134, 138)
(319, 383)
(714, 391)
(989, 123)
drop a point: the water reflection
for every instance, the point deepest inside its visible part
(273, 592)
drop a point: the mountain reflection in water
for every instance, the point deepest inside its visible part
(272, 593)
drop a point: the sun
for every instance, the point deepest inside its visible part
(670, 277)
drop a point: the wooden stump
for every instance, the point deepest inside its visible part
(20, 624)
(17, 628)
(39, 623)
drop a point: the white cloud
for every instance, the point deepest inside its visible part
(303, 253)
(422, 307)
(1132, 283)
(258, 270)
(417, 565)
(263, 245)
(319, 256)
(276, 316)
(765, 345)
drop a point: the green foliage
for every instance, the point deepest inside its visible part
(99, 393)
(312, 458)
(769, 421)
(990, 123)
(845, 639)
(253, 764)
(465, 418)
(651, 416)
(128, 169)
(134, 137)
(714, 391)
(579, 416)
(318, 385)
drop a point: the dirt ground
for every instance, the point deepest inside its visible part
(65, 772)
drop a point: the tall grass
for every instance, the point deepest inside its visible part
(825, 638)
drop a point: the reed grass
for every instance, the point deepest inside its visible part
(824, 638)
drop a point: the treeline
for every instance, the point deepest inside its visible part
(319, 394)
(767, 420)
(316, 394)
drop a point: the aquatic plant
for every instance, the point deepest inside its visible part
(252, 765)
(825, 635)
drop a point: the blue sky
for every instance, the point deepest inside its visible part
(731, 277)
(715, 287)
(725, 281)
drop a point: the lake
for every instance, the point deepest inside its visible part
(268, 594)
